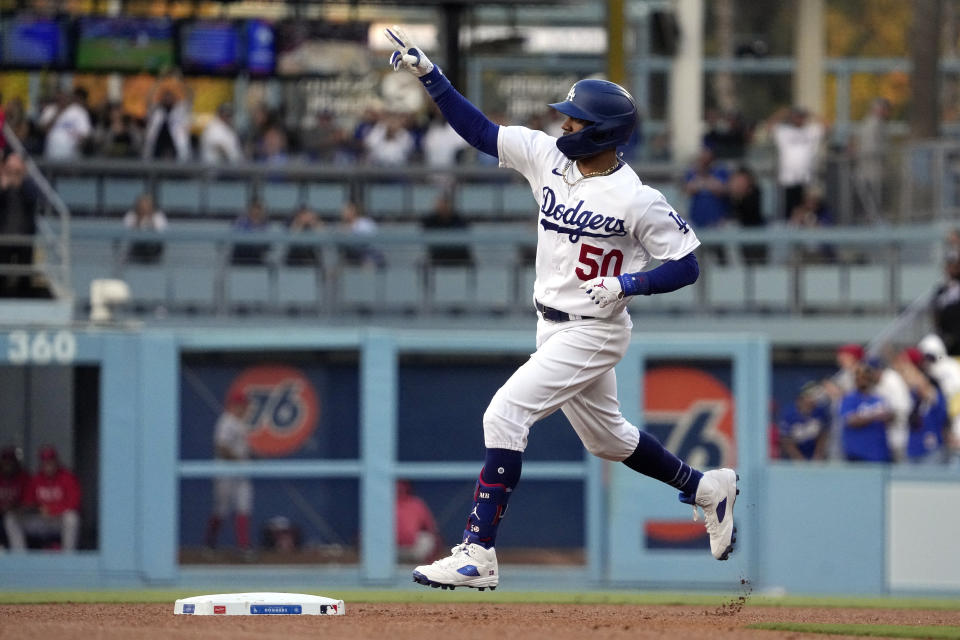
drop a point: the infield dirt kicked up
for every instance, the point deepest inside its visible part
(68, 621)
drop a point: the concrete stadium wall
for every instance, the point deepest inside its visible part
(830, 528)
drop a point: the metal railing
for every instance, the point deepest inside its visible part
(839, 272)
(51, 248)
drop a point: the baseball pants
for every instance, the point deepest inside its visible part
(571, 370)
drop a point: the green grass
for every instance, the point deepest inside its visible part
(876, 630)
(500, 596)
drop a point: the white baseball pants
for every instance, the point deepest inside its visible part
(232, 495)
(572, 370)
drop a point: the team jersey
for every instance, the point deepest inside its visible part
(232, 433)
(805, 428)
(56, 494)
(868, 442)
(599, 226)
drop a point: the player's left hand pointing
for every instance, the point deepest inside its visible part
(407, 56)
(603, 291)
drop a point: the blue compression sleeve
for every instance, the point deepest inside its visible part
(669, 276)
(466, 119)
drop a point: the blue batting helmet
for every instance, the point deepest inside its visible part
(608, 107)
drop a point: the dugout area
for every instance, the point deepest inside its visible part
(865, 538)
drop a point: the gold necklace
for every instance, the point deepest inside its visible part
(592, 174)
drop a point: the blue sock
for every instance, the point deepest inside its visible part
(499, 476)
(652, 459)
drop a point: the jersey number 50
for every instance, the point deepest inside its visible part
(609, 265)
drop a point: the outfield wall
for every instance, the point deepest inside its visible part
(827, 528)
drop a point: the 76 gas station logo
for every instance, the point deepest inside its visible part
(283, 409)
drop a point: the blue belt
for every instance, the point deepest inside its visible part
(555, 315)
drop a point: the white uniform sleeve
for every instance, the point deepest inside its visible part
(663, 233)
(527, 151)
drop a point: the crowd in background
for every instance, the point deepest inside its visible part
(720, 182)
(896, 407)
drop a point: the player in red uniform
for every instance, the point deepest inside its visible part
(13, 483)
(51, 505)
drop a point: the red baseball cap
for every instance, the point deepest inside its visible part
(48, 452)
(914, 355)
(853, 349)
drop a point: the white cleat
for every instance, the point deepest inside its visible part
(716, 495)
(468, 565)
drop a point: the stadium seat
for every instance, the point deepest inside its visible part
(119, 194)
(869, 285)
(820, 286)
(917, 280)
(526, 276)
(425, 198)
(403, 287)
(227, 197)
(358, 288)
(281, 198)
(179, 196)
(248, 286)
(494, 287)
(450, 287)
(771, 286)
(726, 287)
(385, 200)
(326, 198)
(194, 269)
(518, 200)
(79, 194)
(299, 287)
(477, 200)
(148, 283)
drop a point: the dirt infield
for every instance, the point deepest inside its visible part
(419, 621)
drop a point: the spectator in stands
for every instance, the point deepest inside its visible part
(745, 208)
(869, 147)
(444, 217)
(253, 221)
(442, 146)
(168, 120)
(798, 138)
(274, 149)
(50, 507)
(864, 417)
(219, 142)
(890, 386)
(326, 142)
(706, 182)
(813, 211)
(805, 427)
(117, 135)
(945, 304)
(16, 118)
(18, 206)
(946, 371)
(67, 123)
(928, 421)
(365, 123)
(14, 482)
(726, 134)
(305, 220)
(418, 539)
(144, 216)
(353, 221)
(388, 143)
(261, 119)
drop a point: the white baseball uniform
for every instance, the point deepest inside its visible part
(599, 226)
(232, 493)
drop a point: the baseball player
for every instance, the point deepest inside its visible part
(50, 506)
(598, 227)
(231, 493)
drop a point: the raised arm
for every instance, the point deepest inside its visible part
(463, 116)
